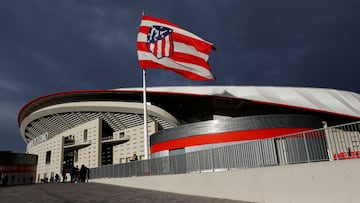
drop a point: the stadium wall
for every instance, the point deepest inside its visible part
(51, 151)
(83, 145)
(321, 182)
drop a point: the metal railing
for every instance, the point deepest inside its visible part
(77, 142)
(330, 143)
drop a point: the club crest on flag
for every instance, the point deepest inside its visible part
(160, 41)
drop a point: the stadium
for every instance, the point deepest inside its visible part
(103, 127)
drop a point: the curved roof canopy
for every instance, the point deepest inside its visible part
(186, 104)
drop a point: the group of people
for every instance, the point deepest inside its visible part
(55, 179)
(79, 175)
(76, 175)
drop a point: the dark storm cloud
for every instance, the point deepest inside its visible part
(52, 46)
(293, 43)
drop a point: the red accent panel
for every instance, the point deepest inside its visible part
(224, 137)
(17, 168)
(347, 155)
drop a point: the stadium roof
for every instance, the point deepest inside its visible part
(184, 104)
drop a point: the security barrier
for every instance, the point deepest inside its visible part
(325, 144)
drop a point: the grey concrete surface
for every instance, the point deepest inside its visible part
(93, 192)
(317, 182)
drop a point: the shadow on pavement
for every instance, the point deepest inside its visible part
(93, 192)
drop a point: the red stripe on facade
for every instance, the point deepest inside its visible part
(224, 137)
(17, 168)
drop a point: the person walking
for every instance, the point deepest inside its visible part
(5, 180)
(83, 171)
(134, 157)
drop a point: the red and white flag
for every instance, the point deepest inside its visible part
(161, 44)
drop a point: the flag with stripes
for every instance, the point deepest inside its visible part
(162, 44)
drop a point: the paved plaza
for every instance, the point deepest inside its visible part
(93, 192)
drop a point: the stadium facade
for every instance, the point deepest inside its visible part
(101, 127)
(17, 168)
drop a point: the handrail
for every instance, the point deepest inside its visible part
(340, 142)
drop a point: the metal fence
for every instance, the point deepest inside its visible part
(330, 143)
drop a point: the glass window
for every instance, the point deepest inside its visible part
(48, 157)
(75, 156)
(85, 134)
(122, 135)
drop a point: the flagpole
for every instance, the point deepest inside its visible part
(146, 145)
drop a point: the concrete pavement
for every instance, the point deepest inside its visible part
(93, 192)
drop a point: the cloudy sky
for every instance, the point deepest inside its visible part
(53, 46)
